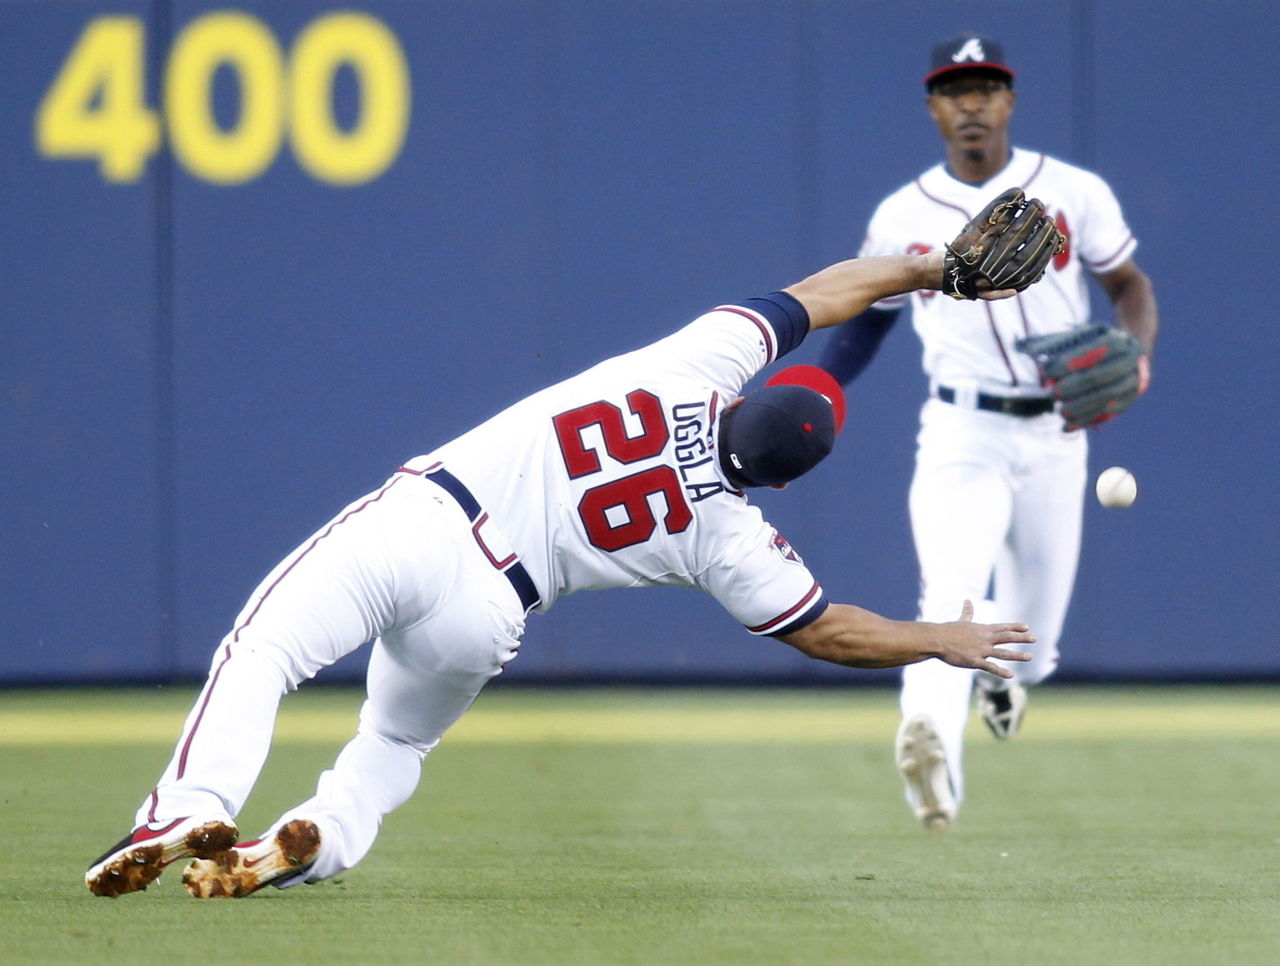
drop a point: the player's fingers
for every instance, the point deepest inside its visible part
(1001, 639)
(1013, 634)
(996, 669)
(966, 611)
(1007, 655)
(996, 294)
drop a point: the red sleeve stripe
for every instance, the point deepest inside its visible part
(805, 601)
(1105, 263)
(766, 330)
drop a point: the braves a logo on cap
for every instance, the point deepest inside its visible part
(785, 550)
(972, 50)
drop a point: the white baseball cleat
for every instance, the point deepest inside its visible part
(923, 766)
(137, 860)
(248, 866)
(1002, 707)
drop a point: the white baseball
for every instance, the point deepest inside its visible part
(1116, 487)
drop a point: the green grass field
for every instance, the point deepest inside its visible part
(1124, 826)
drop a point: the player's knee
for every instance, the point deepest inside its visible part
(392, 742)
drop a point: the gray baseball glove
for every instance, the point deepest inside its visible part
(1093, 370)
(1009, 244)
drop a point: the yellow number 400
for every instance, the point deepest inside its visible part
(96, 106)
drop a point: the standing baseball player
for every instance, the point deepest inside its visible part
(630, 474)
(996, 501)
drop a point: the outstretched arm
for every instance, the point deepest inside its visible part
(848, 288)
(854, 637)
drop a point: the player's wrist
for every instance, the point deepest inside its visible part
(930, 639)
(932, 265)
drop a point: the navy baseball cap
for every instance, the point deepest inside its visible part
(776, 434)
(967, 51)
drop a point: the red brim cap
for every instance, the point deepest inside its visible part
(957, 68)
(820, 381)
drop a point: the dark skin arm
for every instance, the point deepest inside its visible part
(853, 637)
(1133, 299)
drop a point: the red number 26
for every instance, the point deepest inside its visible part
(629, 492)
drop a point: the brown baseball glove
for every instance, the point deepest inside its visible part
(1008, 244)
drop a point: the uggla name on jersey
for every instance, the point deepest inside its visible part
(695, 453)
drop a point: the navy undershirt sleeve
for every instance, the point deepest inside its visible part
(854, 343)
(788, 317)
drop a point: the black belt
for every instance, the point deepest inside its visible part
(516, 573)
(1009, 405)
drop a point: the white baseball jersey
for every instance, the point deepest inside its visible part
(610, 478)
(968, 341)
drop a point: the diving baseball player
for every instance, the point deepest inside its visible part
(1000, 471)
(630, 474)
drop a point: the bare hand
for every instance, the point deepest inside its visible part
(988, 294)
(994, 295)
(971, 645)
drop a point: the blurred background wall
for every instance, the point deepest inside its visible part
(255, 255)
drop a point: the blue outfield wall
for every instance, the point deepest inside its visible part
(249, 267)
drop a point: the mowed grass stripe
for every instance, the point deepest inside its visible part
(535, 719)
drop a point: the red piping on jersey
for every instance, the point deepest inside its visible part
(783, 618)
(434, 466)
(1095, 266)
(475, 532)
(1022, 311)
(945, 204)
(765, 329)
(1034, 174)
(213, 682)
(991, 321)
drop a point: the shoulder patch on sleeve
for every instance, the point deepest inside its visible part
(785, 550)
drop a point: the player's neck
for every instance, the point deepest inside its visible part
(977, 167)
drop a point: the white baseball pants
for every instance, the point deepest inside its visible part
(400, 566)
(994, 497)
